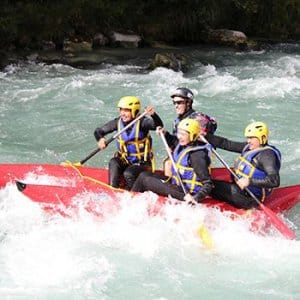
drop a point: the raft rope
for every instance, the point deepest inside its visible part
(248, 213)
(70, 164)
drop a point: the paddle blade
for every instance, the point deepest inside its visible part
(278, 224)
(69, 163)
(205, 236)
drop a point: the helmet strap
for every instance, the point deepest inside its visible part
(264, 140)
(189, 104)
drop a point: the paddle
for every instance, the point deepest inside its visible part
(277, 223)
(202, 230)
(111, 139)
(172, 161)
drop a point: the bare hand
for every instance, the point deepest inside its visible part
(160, 130)
(102, 143)
(189, 199)
(150, 110)
(243, 182)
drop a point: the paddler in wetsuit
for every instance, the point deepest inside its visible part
(134, 146)
(257, 167)
(192, 160)
(183, 99)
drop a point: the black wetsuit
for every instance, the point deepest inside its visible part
(162, 185)
(230, 192)
(117, 165)
(172, 138)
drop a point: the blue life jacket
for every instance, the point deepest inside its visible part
(134, 145)
(187, 174)
(243, 167)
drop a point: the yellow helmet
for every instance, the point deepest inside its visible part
(192, 126)
(258, 130)
(132, 103)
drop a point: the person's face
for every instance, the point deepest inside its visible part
(125, 114)
(183, 137)
(253, 142)
(180, 105)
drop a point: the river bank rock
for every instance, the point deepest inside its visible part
(76, 46)
(125, 40)
(100, 40)
(227, 37)
(174, 61)
(48, 46)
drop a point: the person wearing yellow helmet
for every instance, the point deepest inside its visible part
(192, 160)
(130, 103)
(259, 130)
(257, 167)
(134, 146)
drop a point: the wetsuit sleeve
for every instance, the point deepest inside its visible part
(171, 139)
(200, 162)
(267, 161)
(157, 120)
(150, 123)
(109, 127)
(223, 143)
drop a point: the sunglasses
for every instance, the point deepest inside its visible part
(178, 102)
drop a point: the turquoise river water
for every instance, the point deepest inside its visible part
(48, 114)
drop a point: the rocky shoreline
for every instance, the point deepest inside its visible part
(119, 47)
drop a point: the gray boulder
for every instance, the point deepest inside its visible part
(125, 40)
(176, 62)
(48, 46)
(227, 37)
(100, 40)
(74, 46)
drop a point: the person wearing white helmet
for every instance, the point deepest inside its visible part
(183, 99)
(257, 167)
(134, 146)
(192, 161)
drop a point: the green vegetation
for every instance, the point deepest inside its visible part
(25, 24)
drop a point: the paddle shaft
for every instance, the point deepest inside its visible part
(202, 230)
(283, 228)
(229, 169)
(172, 161)
(113, 137)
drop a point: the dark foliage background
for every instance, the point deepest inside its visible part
(26, 23)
